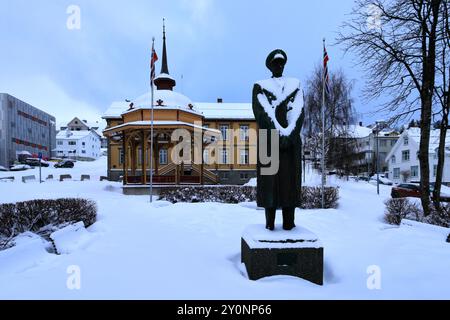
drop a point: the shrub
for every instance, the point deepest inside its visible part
(37, 214)
(439, 218)
(398, 209)
(311, 196)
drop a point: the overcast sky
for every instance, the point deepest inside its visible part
(216, 48)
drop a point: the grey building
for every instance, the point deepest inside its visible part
(24, 128)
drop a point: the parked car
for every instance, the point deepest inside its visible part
(411, 190)
(20, 167)
(65, 164)
(406, 190)
(382, 179)
(34, 162)
(3, 168)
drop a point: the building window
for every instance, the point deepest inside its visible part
(396, 173)
(394, 159)
(83, 144)
(245, 176)
(435, 170)
(405, 141)
(60, 143)
(383, 143)
(163, 157)
(206, 126)
(224, 131)
(414, 171)
(243, 132)
(206, 156)
(393, 142)
(72, 143)
(244, 157)
(224, 156)
(13, 124)
(225, 175)
(83, 151)
(121, 156)
(405, 156)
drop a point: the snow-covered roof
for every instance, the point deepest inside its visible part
(163, 99)
(72, 135)
(353, 131)
(231, 111)
(171, 99)
(116, 109)
(415, 133)
(162, 123)
(164, 76)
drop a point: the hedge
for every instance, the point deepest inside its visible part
(311, 196)
(36, 215)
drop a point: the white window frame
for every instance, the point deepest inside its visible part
(163, 157)
(408, 158)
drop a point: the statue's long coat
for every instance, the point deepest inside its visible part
(282, 190)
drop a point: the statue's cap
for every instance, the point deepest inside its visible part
(274, 55)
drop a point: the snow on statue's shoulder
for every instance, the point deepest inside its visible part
(274, 85)
(282, 89)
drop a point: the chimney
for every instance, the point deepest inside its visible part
(219, 100)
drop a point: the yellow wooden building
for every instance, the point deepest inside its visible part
(222, 137)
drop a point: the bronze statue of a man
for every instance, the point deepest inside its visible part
(278, 105)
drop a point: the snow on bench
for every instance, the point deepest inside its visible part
(8, 179)
(26, 179)
(64, 177)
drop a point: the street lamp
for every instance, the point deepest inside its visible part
(377, 160)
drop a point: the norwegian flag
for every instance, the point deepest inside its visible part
(154, 58)
(326, 59)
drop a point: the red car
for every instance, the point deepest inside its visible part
(406, 190)
(409, 190)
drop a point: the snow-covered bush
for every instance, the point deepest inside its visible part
(225, 194)
(35, 215)
(437, 218)
(399, 209)
(311, 196)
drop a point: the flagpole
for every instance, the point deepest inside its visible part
(324, 181)
(151, 126)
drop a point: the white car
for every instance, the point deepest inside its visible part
(20, 167)
(382, 179)
(3, 168)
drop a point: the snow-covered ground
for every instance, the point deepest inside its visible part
(139, 250)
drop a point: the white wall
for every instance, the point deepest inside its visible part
(88, 146)
(413, 148)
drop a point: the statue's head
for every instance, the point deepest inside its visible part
(276, 61)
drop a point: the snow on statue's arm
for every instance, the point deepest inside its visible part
(262, 118)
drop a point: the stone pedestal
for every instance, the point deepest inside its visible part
(296, 253)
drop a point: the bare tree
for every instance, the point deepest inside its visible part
(339, 113)
(442, 91)
(398, 52)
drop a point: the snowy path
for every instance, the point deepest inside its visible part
(192, 251)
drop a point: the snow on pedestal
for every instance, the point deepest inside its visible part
(296, 253)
